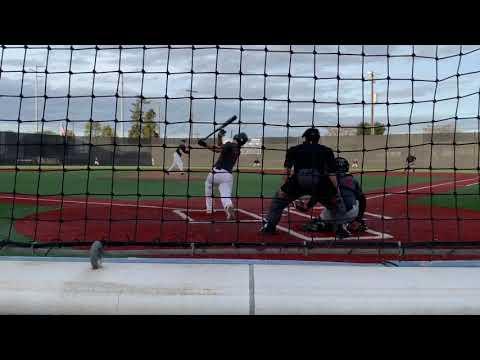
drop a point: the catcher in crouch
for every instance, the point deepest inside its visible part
(313, 174)
(221, 173)
(351, 205)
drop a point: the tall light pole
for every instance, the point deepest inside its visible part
(373, 97)
(36, 95)
(121, 106)
(158, 119)
(36, 100)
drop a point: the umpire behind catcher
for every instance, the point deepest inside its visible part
(314, 174)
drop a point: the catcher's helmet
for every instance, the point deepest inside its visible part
(342, 165)
(311, 135)
(241, 138)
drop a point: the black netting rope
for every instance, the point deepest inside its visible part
(40, 167)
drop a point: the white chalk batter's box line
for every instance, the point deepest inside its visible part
(293, 211)
(184, 216)
(374, 235)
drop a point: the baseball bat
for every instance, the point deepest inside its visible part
(224, 125)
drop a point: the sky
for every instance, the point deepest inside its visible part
(326, 86)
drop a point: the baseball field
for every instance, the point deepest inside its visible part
(138, 209)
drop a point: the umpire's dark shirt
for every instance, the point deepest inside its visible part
(311, 156)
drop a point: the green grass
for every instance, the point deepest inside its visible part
(125, 185)
(465, 198)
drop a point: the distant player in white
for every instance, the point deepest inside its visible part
(355, 164)
(177, 157)
(96, 162)
(221, 173)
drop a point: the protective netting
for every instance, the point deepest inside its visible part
(101, 143)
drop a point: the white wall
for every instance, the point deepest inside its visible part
(204, 287)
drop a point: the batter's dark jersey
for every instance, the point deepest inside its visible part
(228, 156)
(183, 148)
(411, 158)
(311, 156)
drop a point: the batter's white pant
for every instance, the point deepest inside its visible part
(224, 180)
(177, 162)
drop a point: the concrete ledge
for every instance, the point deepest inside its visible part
(186, 287)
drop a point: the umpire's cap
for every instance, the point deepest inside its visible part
(311, 135)
(342, 165)
(241, 138)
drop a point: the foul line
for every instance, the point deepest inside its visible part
(180, 212)
(31, 198)
(420, 188)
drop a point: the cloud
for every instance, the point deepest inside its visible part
(278, 60)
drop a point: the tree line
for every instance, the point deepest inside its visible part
(143, 124)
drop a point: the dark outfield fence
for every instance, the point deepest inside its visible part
(25, 149)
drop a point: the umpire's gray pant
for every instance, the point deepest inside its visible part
(340, 216)
(306, 182)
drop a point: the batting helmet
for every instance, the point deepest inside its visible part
(241, 138)
(311, 135)
(342, 165)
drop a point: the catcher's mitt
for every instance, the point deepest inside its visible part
(202, 142)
